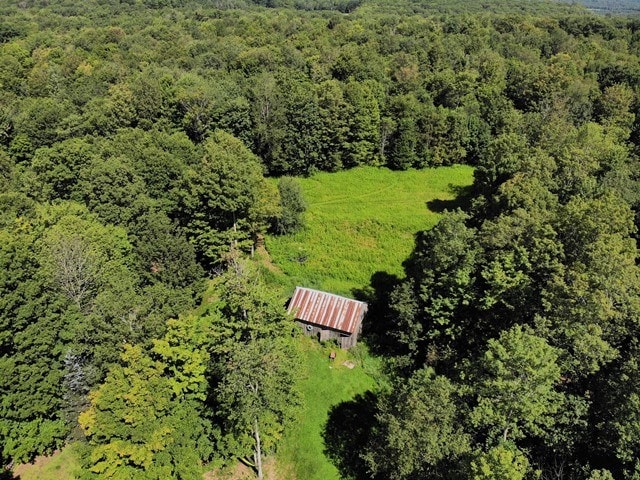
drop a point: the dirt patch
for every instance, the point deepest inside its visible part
(38, 464)
(237, 472)
(271, 469)
(349, 364)
(265, 259)
(241, 472)
(278, 471)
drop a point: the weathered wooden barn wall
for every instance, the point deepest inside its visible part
(323, 334)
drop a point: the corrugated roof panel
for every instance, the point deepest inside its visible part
(326, 309)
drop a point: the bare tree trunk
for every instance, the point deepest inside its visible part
(256, 433)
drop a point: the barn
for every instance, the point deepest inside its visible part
(328, 316)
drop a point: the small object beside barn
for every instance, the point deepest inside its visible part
(328, 316)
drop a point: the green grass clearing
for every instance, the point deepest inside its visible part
(359, 222)
(325, 384)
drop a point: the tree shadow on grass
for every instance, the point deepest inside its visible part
(346, 434)
(463, 197)
(5, 469)
(376, 325)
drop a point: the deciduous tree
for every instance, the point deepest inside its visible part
(516, 393)
(142, 425)
(257, 396)
(417, 430)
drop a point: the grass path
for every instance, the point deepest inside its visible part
(325, 384)
(359, 222)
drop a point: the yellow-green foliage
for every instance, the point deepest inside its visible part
(361, 221)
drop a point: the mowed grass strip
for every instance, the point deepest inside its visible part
(362, 221)
(325, 383)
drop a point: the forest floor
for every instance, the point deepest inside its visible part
(62, 465)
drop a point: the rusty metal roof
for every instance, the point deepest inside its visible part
(326, 309)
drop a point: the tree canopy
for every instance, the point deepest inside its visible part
(138, 141)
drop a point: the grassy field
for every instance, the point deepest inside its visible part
(362, 221)
(301, 453)
(358, 222)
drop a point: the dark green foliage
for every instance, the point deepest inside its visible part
(6, 172)
(204, 69)
(293, 207)
(531, 297)
(249, 311)
(40, 120)
(158, 158)
(111, 189)
(433, 305)
(516, 325)
(418, 433)
(164, 254)
(363, 124)
(502, 159)
(59, 167)
(255, 357)
(257, 397)
(515, 391)
(333, 127)
(523, 306)
(7, 32)
(228, 202)
(301, 138)
(70, 298)
(403, 142)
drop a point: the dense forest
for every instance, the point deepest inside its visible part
(610, 6)
(137, 142)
